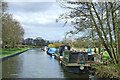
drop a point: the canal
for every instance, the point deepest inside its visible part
(35, 63)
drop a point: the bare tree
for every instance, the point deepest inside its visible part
(100, 16)
(12, 31)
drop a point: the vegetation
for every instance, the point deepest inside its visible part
(7, 52)
(38, 41)
(100, 20)
(102, 71)
(80, 43)
(57, 44)
(12, 31)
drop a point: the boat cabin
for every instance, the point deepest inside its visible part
(63, 48)
(77, 57)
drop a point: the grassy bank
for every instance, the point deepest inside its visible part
(7, 52)
(106, 71)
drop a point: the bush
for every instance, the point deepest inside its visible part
(57, 44)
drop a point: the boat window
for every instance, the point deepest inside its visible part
(66, 47)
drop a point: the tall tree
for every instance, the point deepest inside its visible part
(12, 31)
(104, 20)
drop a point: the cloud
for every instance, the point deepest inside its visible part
(30, 0)
(32, 12)
(39, 19)
(29, 6)
(34, 6)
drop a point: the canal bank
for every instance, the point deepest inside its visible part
(11, 55)
(105, 71)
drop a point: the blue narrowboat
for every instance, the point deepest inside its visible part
(51, 51)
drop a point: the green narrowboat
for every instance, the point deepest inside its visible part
(75, 62)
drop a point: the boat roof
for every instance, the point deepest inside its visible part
(79, 52)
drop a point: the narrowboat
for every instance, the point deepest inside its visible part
(51, 51)
(76, 62)
(59, 52)
(44, 48)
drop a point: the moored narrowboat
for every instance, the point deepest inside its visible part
(44, 48)
(51, 51)
(59, 52)
(75, 62)
(62, 49)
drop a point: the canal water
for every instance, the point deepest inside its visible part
(35, 63)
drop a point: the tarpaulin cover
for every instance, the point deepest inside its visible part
(52, 50)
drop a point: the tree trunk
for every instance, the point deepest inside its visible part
(117, 38)
(108, 24)
(99, 46)
(105, 35)
(99, 33)
(93, 38)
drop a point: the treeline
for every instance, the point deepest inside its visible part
(38, 41)
(81, 43)
(12, 31)
(100, 20)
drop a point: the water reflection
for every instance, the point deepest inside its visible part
(36, 64)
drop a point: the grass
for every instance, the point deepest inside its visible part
(111, 70)
(94, 65)
(7, 52)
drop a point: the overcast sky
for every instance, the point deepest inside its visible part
(39, 19)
